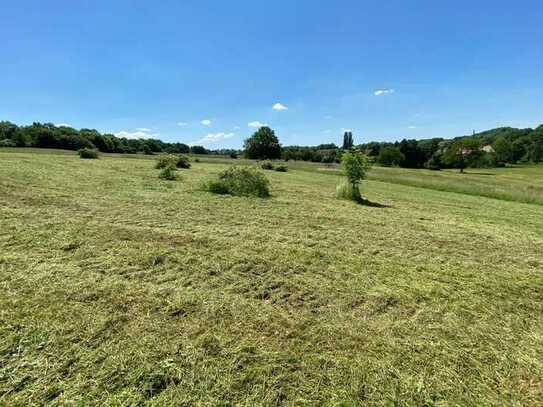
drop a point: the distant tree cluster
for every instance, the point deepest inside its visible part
(47, 135)
(491, 148)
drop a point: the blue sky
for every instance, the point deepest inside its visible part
(208, 72)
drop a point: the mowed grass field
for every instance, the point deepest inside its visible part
(117, 288)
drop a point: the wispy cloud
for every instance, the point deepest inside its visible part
(279, 106)
(212, 138)
(382, 92)
(412, 127)
(206, 122)
(62, 125)
(236, 128)
(143, 129)
(182, 124)
(256, 124)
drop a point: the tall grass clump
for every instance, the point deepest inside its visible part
(88, 153)
(355, 166)
(240, 181)
(168, 173)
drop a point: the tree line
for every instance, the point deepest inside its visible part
(47, 135)
(497, 147)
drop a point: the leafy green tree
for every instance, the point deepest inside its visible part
(503, 149)
(390, 156)
(355, 166)
(464, 153)
(263, 144)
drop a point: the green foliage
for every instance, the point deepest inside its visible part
(240, 181)
(390, 157)
(166, 160)
(503, 149)
(168, 173)
(464, 153)
(281, 168)
(263, 144)
(177, 161)
(355, 166)
(88, 153)
(266, 165)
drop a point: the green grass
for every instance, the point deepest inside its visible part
(117, 288)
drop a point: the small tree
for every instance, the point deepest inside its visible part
(463, 153)
(355, 166)
(263, 144)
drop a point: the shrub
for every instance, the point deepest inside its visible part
(196, 160)
(166, 160)
(168, 173)
(178, 161)
(266, 165)
(390, 156)
(240, 181)
(88, 153)
(281, 168)
(182, 162)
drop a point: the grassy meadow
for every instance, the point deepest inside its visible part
(117, 288)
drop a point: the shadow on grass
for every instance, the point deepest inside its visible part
(367, 202)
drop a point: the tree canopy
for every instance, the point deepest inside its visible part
(263, 144)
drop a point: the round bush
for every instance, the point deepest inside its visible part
(240, 181)
(281, 168)
(166, 160)
(88, 153)
(182, 162)
(266, 165)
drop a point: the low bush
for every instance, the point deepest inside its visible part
(240, 181)
(168, 173)
(88, 153)
(266, 165)
(281, 168)
(178, 161)
(182, 162)
(166, 160)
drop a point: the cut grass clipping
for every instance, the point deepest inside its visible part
(88, 153)
(240, 181)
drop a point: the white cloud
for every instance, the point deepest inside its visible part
(382, 92)
(140, 132)
(256, 124)
(62, 125)
(182, 124)
(412, 127)
(206, 122)
(213, 138)
(236, 127)
(279, 106)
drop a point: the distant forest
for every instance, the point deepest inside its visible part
(490, 148)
